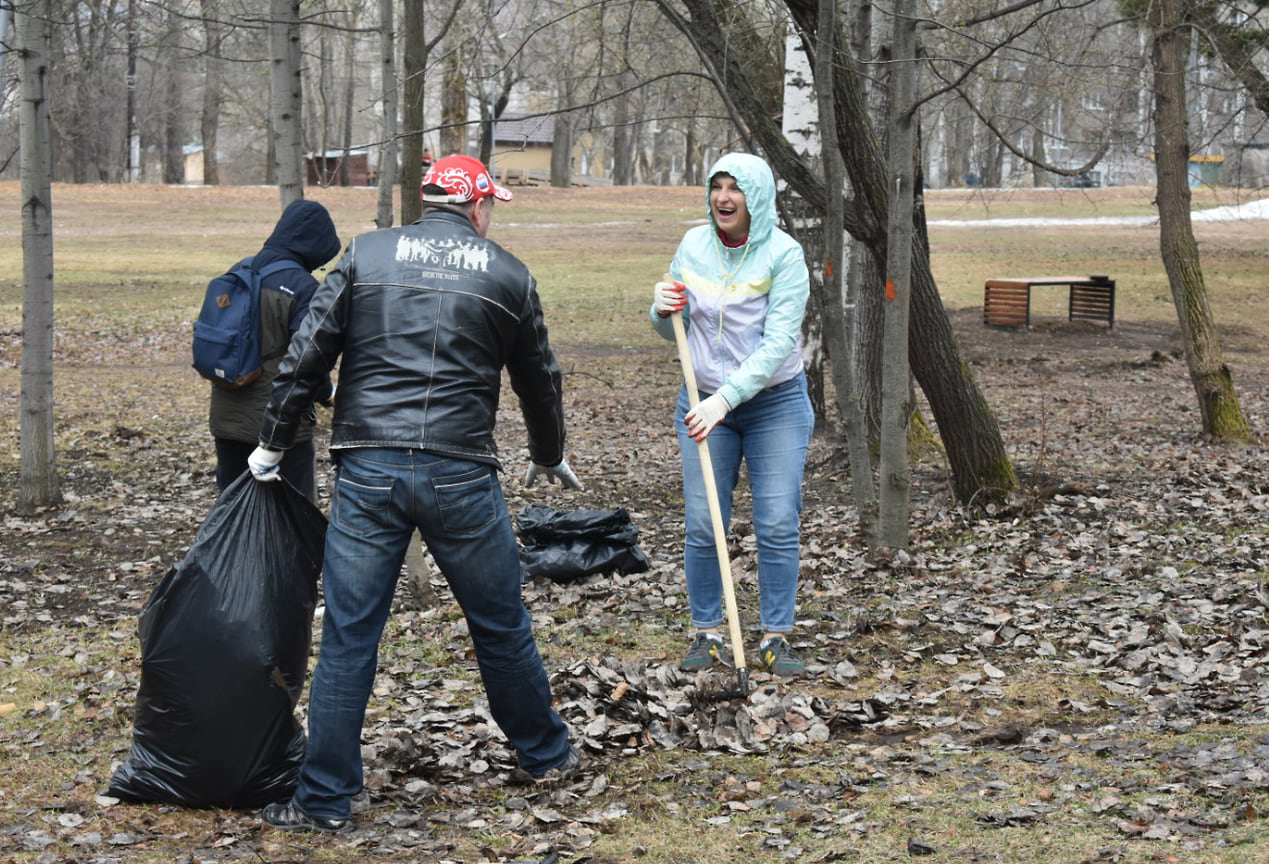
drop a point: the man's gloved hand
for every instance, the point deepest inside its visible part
(329, 401)
(668, 298)
(706, 415)
(263, 463)
(559, 472)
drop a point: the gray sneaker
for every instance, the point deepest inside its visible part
(701, 654)
(780, 659)
(564, 771)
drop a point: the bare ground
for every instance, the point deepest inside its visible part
(1093, 650)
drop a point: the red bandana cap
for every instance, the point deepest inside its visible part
(459, 179)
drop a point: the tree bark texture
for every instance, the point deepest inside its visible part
(37, 471)
(350, 96)
(414, 62)
(213, 91)
(453, 108)
(286, 99)
(562, 142)
(1222, 416)
(388, 147)
(133, 170)
(896, 407)
(840, 350)
(173, 96)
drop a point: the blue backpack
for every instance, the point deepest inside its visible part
(227, 331)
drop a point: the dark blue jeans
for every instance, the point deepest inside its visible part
(381, 496)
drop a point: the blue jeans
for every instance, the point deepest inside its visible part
(770, 433)
(381, 496)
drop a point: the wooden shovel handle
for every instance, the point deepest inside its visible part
(711, 494)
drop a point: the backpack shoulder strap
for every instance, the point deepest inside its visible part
(278, 266)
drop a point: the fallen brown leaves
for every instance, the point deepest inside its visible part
(1091, 634)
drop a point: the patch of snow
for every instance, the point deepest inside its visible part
(1249, 211)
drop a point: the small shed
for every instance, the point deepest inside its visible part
(522, 147)
(192, 154)
(323, 169)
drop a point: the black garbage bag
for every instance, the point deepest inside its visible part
(225, 639)
(563, 545)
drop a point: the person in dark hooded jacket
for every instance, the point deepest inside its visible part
(306, 235)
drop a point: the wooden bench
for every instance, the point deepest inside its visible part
(1007, 302)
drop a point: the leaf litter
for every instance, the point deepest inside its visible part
(1134, 561)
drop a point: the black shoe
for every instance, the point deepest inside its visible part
(702, 652)
(287, 816)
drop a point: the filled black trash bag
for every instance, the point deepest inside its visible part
(225, 639)
(563, 545)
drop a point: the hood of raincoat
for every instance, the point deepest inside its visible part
(754, 177)
(304, 233)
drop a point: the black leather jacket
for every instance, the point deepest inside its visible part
(426, 316)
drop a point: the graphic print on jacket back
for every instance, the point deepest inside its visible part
(447, 253)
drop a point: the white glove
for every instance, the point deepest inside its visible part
(668, 298)
(263, 463)
(559, 472)
(706, 415)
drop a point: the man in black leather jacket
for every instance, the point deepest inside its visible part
(423, 319)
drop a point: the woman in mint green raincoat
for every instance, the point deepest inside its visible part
(741, 285)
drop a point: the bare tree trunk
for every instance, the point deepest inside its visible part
(896, 407)
(866, 278)
(485, 143)
(173, 128)
(387, 179)
(350, 94)
(562, 142)
(413, 63)
(839, 350)
(213, 91)
(286, 98)
(622, 137)
(1218, 403)
(132, 143)
(453, 108)
(690, 157)
(270, 153)
(37, 472)
(318, 115)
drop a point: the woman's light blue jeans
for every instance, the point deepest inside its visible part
(770, 433)
(381, 496)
